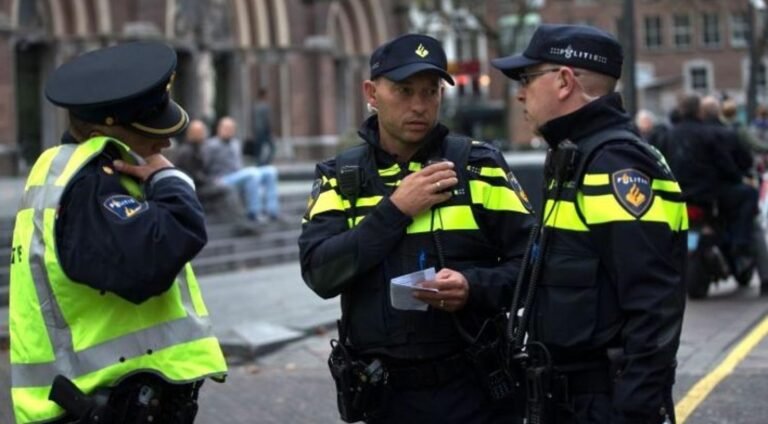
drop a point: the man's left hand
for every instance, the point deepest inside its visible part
(142, 172)
(452, 294)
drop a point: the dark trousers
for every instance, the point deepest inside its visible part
(738, 203)
(460, 401)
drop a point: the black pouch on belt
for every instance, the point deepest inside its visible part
(359, 383)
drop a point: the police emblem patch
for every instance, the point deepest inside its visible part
(124, 206)
(313, 195)
(518, 189)
(633, 190)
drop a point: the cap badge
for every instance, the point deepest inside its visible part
(421, 51)
(109, 120)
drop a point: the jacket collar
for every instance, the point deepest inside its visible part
(430, 146)
(606, 111)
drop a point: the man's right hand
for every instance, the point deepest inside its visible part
(423, 189)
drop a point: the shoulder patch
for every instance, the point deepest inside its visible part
(518, 189)
(317, 185)
(632, 189)
(124, 206)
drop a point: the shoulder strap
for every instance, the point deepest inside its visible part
(588, 146)
(349, 175)
(457, 150)
(349, 166)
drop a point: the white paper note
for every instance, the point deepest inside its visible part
(401, 288)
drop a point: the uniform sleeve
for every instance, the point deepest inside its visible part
(504, 216)
(110, 241)
(644, 255)
(333, 255)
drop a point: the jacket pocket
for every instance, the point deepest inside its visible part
(567, 300)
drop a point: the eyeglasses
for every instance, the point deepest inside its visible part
(526, 78)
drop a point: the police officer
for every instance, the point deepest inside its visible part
(103, 299)
(605, 300)
(383, 210)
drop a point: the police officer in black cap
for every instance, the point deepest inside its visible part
(415, 199)
(602, 317)
(107, 320)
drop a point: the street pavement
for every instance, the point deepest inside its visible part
(292, 384)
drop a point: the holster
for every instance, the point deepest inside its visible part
(146, 398)
(538, 394)
(360, 384)
(486, 357)
(140, 398)
(81, 408)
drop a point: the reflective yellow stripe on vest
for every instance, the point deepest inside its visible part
(61, 327)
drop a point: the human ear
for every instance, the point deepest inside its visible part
(369, 91)
(566, 81)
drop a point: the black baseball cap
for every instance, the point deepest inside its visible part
(579, 46)
(407, 55)
(127, 84)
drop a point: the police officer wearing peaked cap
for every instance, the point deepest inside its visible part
(608, 296)
(102, 293)
(462, 216)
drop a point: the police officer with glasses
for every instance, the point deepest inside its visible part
(601, 300)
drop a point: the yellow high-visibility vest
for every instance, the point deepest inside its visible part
(94, 338)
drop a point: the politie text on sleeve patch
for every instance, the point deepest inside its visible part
(633, 190)
(124, 206)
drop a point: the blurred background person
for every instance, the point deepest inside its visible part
(263, 144)
(220, 202)
(651, 130)
(257, 184)
(703, 159)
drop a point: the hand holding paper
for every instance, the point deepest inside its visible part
(401, 290)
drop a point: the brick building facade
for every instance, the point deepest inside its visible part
(681, 45)
(310, 55)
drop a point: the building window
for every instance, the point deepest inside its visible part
(699, 79)
(739, 29)
(653, 39)
(681, 25)
(699, 76)
(711, 29)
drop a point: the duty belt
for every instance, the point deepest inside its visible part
(426, 374)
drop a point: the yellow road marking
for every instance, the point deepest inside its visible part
(703, 387)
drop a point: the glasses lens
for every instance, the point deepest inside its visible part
(526, 78)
